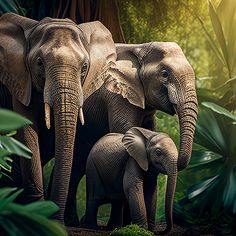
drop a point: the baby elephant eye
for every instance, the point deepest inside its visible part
(158, 152)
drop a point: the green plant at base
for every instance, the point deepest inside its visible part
(131, 230)
(30, 219)
(16, 219)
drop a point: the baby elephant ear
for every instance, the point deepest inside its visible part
(134, 143)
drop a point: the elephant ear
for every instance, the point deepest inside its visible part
(121, 78)
(135, 144)
(13, 51)
(102, 51)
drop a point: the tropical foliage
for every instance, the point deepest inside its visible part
(210, 200)
(16, 219)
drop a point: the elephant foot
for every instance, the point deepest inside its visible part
(72, 221)
(88, 225)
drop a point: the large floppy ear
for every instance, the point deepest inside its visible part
(135, 144)
(13, 51)
(123, 79)
(102, 51)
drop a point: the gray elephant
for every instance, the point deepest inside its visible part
(121, 167)
(147, 77)
(46, 66)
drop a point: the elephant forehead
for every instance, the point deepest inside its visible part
(60, 33)
(178, 64)
(164, 142)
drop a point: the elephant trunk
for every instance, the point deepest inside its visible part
(169, 202)
(66, 102)
(187, 113)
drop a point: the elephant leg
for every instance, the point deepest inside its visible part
(30, 169)
(116, 218)
(150, 195)
(90, 218)
(126, 215)
(77, 173)
(133, 189)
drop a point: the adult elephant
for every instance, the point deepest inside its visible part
(46, 65)
(147, 77)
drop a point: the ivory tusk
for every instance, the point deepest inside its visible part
(47, 115)
(81, 116)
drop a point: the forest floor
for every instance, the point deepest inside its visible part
(177, 230)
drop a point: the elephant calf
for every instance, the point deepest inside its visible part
(122, 167)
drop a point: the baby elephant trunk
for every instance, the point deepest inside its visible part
(169, 202)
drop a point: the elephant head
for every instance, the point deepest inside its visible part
(54, 57)
(159, 77)
(151, 149)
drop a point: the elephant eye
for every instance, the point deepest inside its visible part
(84, 72)
(164, 74)
(39, 61)
(158, 152)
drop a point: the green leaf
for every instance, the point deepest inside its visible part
(220, 110)
(10, 199)
(44, 208)
(218, 31)
(3, 152)
(200, 158)
(10, 121)
(4, 192)
(208, 133)
(8, 6)
(4, 164)
(15, 147)
(201, 187)
(227, 15)
(229, 194)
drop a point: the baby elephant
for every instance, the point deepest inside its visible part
(124, 167)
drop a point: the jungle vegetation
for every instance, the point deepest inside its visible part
(206, 31)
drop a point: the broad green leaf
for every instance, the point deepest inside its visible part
(220, 110)
(8, 6)
(201, 187)
(3, 152)
(208, 133)
(229, 194)
(202, 157)
(44, 208)
(218, 31)
(4, 192)
(4, 202)
(15, 147)
(10, 121)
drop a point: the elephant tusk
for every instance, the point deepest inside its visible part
(81, 116)
(47, 115)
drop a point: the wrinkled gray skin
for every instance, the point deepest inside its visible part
(120, 167)
(147, 77)
(46, 66)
